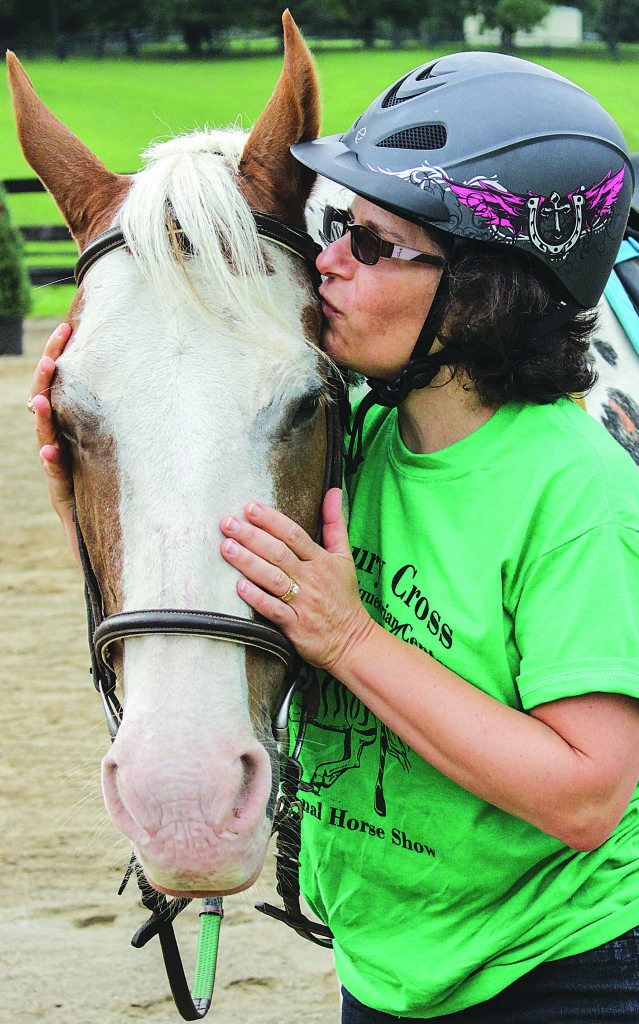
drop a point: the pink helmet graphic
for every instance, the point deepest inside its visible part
(552, 224)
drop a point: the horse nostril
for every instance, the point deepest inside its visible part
(250, 769)
(137, 824)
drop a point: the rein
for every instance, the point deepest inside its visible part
(104, 631)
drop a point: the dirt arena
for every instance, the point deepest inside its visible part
(65, 953)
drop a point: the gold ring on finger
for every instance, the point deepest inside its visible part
(293, 589)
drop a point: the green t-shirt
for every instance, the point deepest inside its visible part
(513, 558)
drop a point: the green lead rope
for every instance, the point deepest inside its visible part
(211, 914)
(194, 1004)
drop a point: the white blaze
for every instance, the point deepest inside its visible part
(193, 395)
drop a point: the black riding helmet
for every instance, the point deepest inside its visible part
(491, 148)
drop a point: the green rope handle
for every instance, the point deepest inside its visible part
(211, 915)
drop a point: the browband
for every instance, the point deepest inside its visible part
(300, 243)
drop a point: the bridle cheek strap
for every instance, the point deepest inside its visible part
(104, 678)
(287, 822)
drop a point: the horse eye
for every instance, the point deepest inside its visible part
(305, 410)
(67, 430)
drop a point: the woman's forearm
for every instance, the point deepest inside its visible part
(569, 767)
(509, 758)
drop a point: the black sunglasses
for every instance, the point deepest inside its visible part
(366, 246)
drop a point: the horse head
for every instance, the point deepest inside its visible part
(192, 384)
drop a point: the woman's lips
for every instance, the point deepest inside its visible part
(327, 307)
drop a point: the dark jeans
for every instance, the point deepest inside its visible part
(597, 987)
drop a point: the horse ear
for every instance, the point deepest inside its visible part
(271, 179)
(86, 193)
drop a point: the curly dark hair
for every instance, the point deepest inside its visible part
(498, 300)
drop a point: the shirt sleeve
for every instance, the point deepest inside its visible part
(577, 620)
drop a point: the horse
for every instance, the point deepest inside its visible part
(614, 399)
(192, 384)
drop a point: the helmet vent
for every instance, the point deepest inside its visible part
(424, 136)
(426, 73)
(390, 99)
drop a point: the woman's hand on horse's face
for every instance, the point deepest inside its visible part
(326, 617)
(52, 453)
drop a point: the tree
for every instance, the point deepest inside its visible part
(50, 19)
(43, 17)
(115, 16)
(408, 14)
(618, 21)
(363, 17)
(446, 19)
(358, 16)
(15, 293)
(203, 21)
(511, 15)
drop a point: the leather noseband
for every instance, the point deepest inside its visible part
(192, 623)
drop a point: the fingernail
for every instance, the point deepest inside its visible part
(231, 524)
(254, 510)
(243, 587)
(231, 547)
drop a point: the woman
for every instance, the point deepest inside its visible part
(470, 773)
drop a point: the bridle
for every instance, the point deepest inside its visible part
(106, 630)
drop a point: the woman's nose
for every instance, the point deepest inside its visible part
(336, 258)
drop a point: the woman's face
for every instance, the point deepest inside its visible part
(373, 315)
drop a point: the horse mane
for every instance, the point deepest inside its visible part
(191, 231)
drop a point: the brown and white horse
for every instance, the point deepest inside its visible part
(192, 384)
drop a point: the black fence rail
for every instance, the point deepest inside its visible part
(49, 248)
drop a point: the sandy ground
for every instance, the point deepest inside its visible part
(65, 952)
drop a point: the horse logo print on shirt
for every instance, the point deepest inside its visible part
(353, 727)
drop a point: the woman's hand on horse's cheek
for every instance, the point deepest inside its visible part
(325, 631)
(53, 455)
(277, 525)
(252, 550)
(45, 427)
(57, 341)
(43, 373)
(325, 619)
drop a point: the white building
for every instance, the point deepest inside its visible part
(561, 27)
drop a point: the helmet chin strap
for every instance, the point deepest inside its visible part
(420, 371)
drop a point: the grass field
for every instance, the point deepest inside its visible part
(117, 107)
